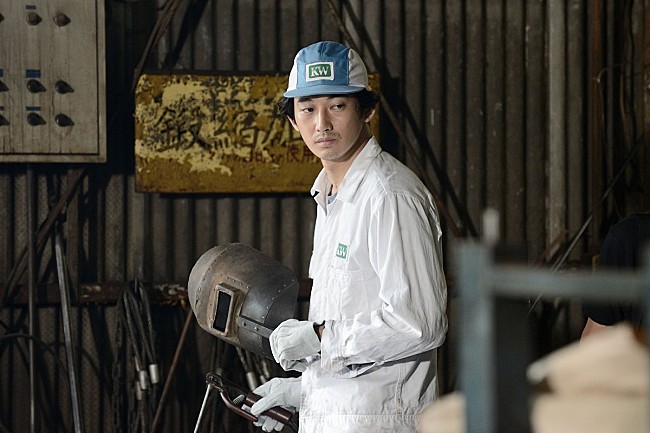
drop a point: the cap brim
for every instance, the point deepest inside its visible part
(322, 89)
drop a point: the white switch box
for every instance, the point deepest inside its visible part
(52, 81)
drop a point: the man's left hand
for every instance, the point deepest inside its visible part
(294, 340)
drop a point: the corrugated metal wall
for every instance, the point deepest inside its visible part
(468, 81)
(493, 95)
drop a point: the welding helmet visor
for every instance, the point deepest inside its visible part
(240, 295)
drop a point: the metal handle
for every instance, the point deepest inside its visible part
(278, 413)
(232, 395)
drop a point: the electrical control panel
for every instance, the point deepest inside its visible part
(52, 81)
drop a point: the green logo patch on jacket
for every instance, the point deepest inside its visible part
(342, 251)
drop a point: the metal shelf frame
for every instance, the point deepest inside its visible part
(481, 284)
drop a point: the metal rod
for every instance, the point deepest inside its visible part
(156, 34)
(205, 402)
(172, 370)
(31, 265)
(43, 232)
(67, 331)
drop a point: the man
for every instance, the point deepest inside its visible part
(621, 250)
(377, 307)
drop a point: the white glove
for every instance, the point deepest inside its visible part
(293, 341)
(283, 392)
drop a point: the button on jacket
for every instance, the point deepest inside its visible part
(379, 287)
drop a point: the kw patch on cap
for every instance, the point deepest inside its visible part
(319, 71)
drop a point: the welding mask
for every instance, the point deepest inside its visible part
(240, 295)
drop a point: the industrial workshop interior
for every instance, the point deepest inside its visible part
(158, 211)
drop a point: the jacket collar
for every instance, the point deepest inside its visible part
(352, 178)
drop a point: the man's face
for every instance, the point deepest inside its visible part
(331, 126)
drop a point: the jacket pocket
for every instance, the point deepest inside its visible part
(352, 294)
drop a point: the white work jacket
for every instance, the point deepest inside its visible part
(379, 287)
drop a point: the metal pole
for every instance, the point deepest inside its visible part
(476, 354)
(205, 402)
(31, 277)
(172, 370)
(20, 267)
(67, 331)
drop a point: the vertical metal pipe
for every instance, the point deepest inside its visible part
(556, 19)
(610, 103)
(477, 334)
(67, 332)
(31, 278)
(205, 402)
(172, 372)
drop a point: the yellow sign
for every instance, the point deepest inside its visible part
(196, 133)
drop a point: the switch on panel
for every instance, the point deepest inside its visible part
(33, 18)
(62, 87)
(35, 86)
(62, 120)
(52, 53)
(35, 119)
(3, 120)
(3, 86)
(61, 19)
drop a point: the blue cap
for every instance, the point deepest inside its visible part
(326, 68)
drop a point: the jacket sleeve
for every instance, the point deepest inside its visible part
(405, 253)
